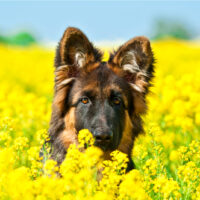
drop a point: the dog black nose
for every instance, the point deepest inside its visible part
(103, 136)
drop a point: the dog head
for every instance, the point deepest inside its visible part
(105, 97)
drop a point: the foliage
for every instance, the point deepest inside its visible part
(166, 28)
(167, 156)
(20, 39)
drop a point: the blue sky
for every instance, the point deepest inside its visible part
(105, 20)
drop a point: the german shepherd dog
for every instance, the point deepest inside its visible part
(108, 98)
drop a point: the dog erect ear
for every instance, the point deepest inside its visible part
(74, 49)
(74, 55)
(134, 61)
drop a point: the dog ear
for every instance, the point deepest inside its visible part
(74, 49)
(74, 54)
(134, 61)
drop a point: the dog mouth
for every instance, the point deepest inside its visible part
(104, 145)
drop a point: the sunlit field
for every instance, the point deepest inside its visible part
(167, 157)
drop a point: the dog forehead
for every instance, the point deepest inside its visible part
(101, 77)
(101, 83)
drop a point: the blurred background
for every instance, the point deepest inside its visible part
(104, 22)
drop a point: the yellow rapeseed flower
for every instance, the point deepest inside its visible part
(166, 156)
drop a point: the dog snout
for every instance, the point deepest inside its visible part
(103, 136)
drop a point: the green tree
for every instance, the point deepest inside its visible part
(21, 39)
(165, 28)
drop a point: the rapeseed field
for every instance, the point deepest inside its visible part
(167, 157)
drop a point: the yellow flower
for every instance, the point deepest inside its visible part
(85, 138)
(7, 160)
(167, 187)
(5, 138)
(20, 143)
(174, 156)
(150, 167)
(132, 187)
(42, 136)
(170, 147)
(50, 167)
(106, 56)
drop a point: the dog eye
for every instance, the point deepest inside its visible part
(84, 100)
(116, 100)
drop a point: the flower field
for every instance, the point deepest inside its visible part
(167, 157)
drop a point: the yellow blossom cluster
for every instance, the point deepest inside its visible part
(167, 156)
